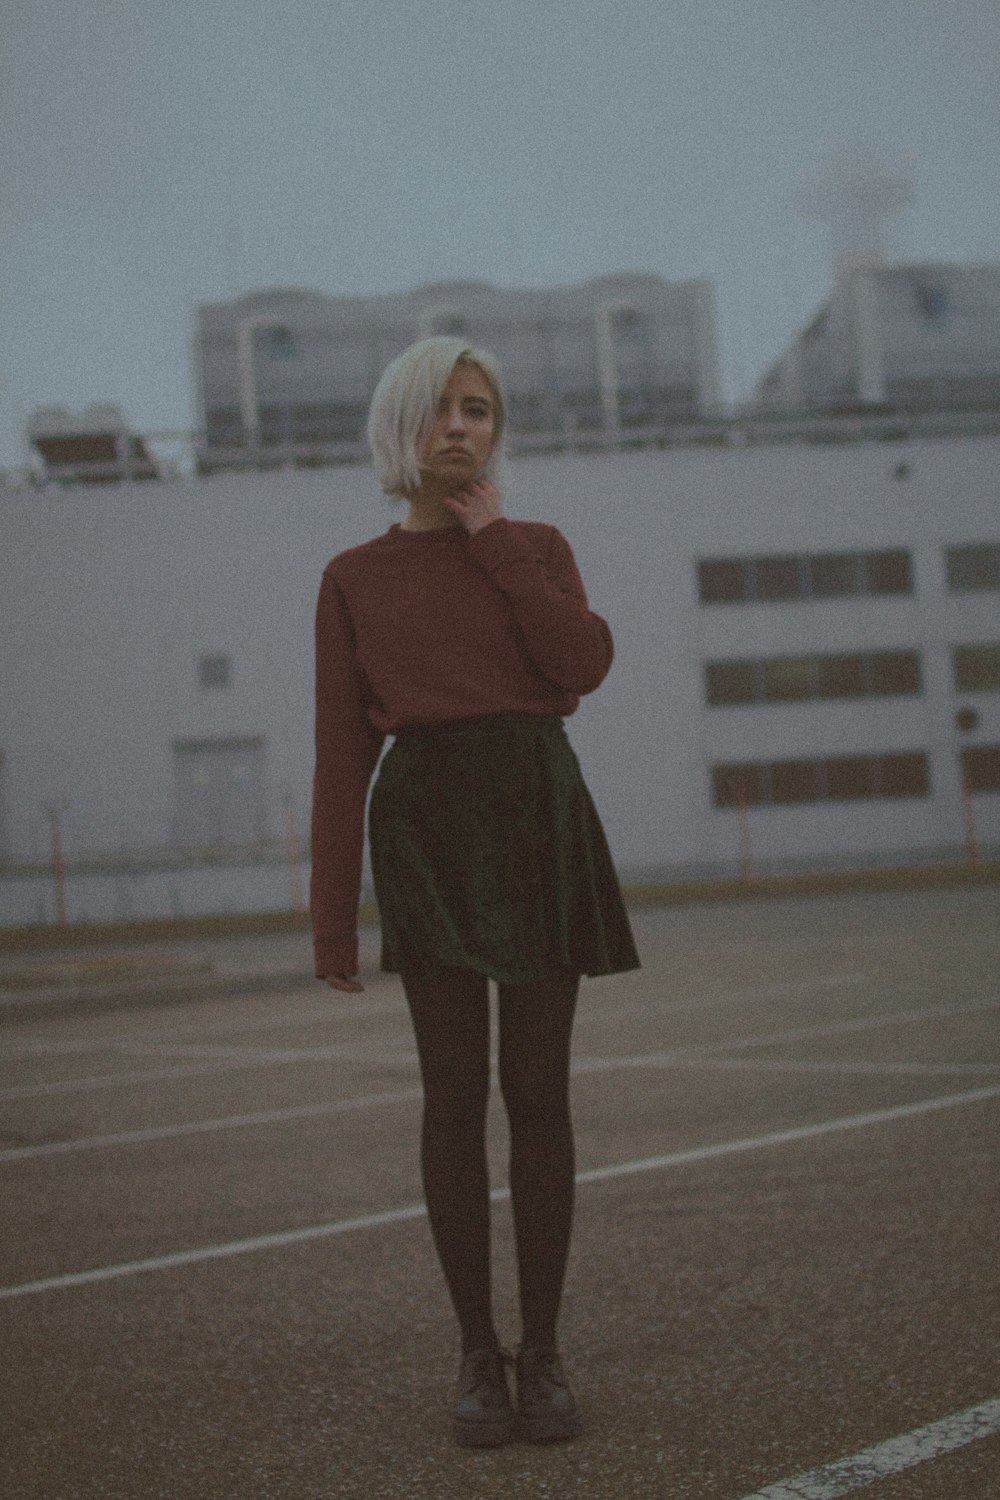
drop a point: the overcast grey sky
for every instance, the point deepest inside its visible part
(157, 155)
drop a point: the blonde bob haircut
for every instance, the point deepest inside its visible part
(404, 404)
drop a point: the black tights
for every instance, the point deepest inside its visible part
(450, 1012)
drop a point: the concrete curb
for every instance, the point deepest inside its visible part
(729, 888)
(93, 998)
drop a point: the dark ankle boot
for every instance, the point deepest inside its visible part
(546, 1411)
(483, 1414)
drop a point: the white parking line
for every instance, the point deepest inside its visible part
(806, 987)
(226, 1063)
(416, 1211)
(269, 1054)
(365, 1101)
(890, 1457)
(203, 1127)
(803, 1065)
(668, 1058)
(159, 1037)
(671, 1056)
(113, 1080)
(290, 1020)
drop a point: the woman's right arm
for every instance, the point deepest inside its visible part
(347, 749)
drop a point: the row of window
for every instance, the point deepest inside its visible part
(788, 679)
(862, 674)
(838, 575)
(845, 778)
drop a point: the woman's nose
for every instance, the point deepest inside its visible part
(456, 419)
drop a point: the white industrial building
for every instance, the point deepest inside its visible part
(802, 625)
(806, 608)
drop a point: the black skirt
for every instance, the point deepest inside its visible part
(488, 854)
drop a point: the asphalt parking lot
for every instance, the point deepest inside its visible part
(217, 1280)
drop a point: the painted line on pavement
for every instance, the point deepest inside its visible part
(890, 1457)
(202, 1127)
(791, 989)
(290, 1020)
(32, 1047)
(223, 1064)
(793, 1133)
(151, 1133)
(780, 1038)
(417, 1211)
(113, 1080)
(586, 1065)
(802, 1065)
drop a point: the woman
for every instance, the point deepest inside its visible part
(467, 637)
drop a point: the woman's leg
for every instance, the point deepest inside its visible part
(450, 1011)
(536, 1023)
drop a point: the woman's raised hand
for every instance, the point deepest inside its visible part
(476, 505)
(341, 982)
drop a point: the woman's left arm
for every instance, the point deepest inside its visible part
(567, 642)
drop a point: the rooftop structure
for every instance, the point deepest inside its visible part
(899, 339)
(94, 446)
(285, 376)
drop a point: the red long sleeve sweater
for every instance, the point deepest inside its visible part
(419, 627)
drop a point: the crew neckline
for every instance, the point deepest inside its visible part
(401, 533)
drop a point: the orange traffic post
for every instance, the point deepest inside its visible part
(746, 848)
(58, 869)
(971, 833)
(294, 857)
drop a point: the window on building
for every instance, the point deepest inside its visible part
(277, 340)
(788, 678)
(842, 778)
(973, 568)
(723, 582)
(629, 332)
(981, 768)
(215, 670)
(850, 778)
(888, 573)
(840, 677)
(791, 679)
(796, 781)
(327, 421)
(449, 321)
(906, 775)
(931, 298)
(835, 575)
(739, 786)
(778, 578)
(892, 673)
(224, 426)
(730, 682)
(219, 795)
(976, 669)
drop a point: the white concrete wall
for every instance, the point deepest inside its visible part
(111, 594)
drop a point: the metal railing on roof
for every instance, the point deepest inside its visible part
(185, 454)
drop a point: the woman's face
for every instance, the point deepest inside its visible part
(458, 440)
